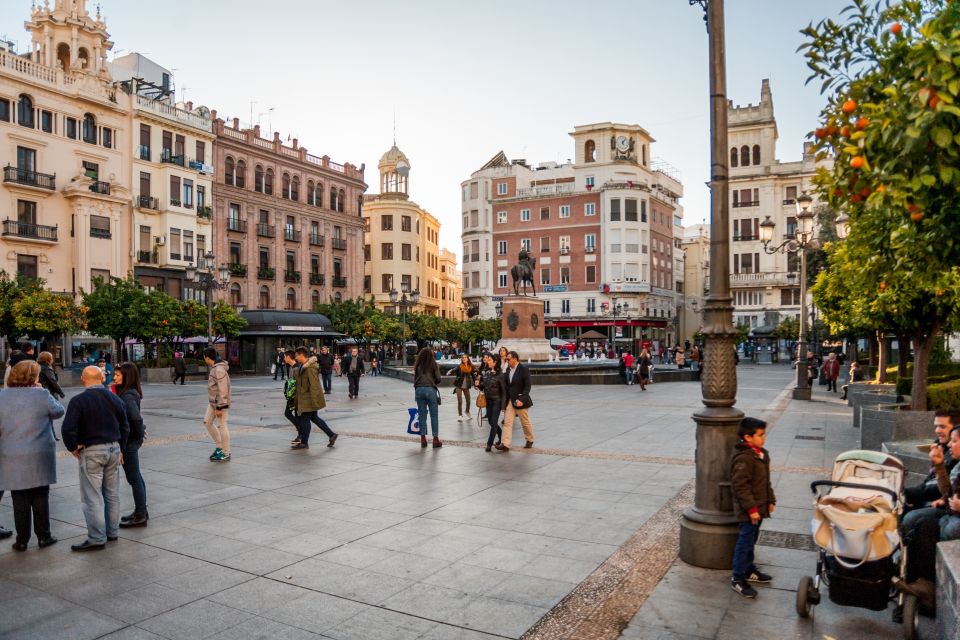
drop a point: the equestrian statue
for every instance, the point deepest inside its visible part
(522, 272)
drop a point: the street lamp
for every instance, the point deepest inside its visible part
(209, 278)
(798, 242)
(404, 302)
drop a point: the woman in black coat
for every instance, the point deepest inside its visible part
(127, 381)
(493, 385)
(48, 377)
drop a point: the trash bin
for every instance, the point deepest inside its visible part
(410, 354)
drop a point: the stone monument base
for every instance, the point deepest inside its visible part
(522, 329)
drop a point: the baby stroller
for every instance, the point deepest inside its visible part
(855, 526)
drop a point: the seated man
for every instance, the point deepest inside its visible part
(921, 495)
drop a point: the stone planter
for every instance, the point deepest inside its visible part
(948, 589)
(870, 394)
(881, 423)
(157, 374)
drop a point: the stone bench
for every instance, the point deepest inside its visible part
(948, 589)
(882, 423)
(870, 394)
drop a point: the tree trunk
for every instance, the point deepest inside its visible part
(903, 354)
(881, 356)
(923, 343)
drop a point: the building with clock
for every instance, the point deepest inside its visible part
(601, 229)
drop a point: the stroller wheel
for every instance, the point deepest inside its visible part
(806, 596)
(911, 617)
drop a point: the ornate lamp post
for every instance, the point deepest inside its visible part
(799, 242)
(404, 303)
(210, 278)
(708, 530)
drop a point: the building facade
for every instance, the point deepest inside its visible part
(402, 242)
(695, 245)
(451, 291)
(287, 223)
(64, 134)
(765, 288)
(601, 229)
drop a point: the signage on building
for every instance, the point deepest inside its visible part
(662, 292)
(626, 287)
(202, 168)
(301, 329)
(496, 298)
(554, 288)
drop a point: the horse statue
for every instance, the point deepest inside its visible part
(522, 272)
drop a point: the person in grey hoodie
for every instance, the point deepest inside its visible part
(218, 396)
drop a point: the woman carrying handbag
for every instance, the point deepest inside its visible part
(493, 394)
(462, 384)
(426, 383)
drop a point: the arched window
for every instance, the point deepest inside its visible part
(734, 158)
(83, 57)
(235, 296)
(268, 182)
(295, 188)
(315, 299)
(643, 151)
(318, 195)
(63, 56)
(590, 151)
(240, 177)
(340, 198)
(291, 299)
(745, 156)
(89, 129)
(229, 170)
(310, 196)
(333, 198)
(258, 179)
(756, 154)
(25, 111)
(264, 298)
(285, 186)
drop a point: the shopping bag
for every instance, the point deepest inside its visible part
(413, 425)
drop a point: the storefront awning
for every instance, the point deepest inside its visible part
(301, 324)
(607, 323)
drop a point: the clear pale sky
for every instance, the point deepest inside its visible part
(469, 79)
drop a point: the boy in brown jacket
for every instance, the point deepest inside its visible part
(753, 500)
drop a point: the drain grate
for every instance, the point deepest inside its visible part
(808, 437)
(784, 540)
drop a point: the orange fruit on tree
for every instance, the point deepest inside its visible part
(896, 28)
(916, 216)
(857, 162)
(934, 101)
(881, 188)
(845, 131)
(820, 133)
(862, 123)
(832, 130)
(883, 285)
(850, 106)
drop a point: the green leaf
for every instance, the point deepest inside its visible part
(928, 180)
(942, 137)
(946, 174)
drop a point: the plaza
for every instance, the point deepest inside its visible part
(378, 538)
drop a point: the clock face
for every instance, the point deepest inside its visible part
(623, 143)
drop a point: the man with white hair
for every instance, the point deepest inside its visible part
(95, 431)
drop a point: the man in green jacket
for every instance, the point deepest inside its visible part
(308, 399)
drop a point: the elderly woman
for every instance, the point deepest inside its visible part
(28, 462)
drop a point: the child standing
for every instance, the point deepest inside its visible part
(753, 501)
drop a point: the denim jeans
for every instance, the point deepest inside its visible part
(131, 469)
(427, 399)
(100, 490)
(327, 382)
(629, 375)
(493, 419)
(949, 528)
(743, 552)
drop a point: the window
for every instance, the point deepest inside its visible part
(89, 129)
(146, 243)
(106, 137)
(291, 260)
(745, 156)
(4, 110)
(201, 245)
(201, 196)
(99, 227)
(544, 213)
(295, 189)
(233, 216)
(590, 209)
(315, 296)
(201, 151)
(366, 252)
(240, 176)
(590, 242)
(405, 251)
(188, 245)
(502, 280)
(341, 198)
(793, 261)
(501, 188)
(406, 223)
(525, 244)
(46, 121)
(25, 112)
(234, 251)
(314, 263)
(175, 244)
(264, 298)
(591, 275)
(524, 215)
(285, 186)
(545, 275)
(734, 157)
(565, 306)
(546, 307)
(229, 168)
(564, 275)
(501, 247)
(175, 191)
(615, 210)
(264, 257)
(257, 178)
(589, 182)
(564, 211)
(318, 195)
(589, 151)
(188, 193)
(501, 217)
(756, 154)
(386, 251)
(268, 182)
(26, 212)
(405, 282)
(72, 128)
(643, 211)
(235, 295)
(386, 282)
(386, 223)
(630, 210)
(475, 218)
(27, 266)
(790, 196)
(790, 297)
(27, 160)
(544, 244)
(311, 190)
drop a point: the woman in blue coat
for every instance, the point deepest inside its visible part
(28, 451)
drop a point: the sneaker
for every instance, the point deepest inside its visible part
(295, 441)
(758, 576)
(743, 588)
(216, 454)
(333, 439)
(224, 457)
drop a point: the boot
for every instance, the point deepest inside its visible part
(423, 442)
(138, 520)
(436, 442)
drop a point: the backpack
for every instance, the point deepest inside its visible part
(290, 391)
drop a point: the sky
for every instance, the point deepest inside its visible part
(466, 80)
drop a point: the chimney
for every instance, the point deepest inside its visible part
(213, 114)
(236, 123)
(256, 130)
(190, 106)
(295, 143)
(276, 136)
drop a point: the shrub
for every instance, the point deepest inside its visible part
(905, 385)
(943, 395)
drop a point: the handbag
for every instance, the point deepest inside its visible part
(855, 531)
(481, 400)
(439, 398)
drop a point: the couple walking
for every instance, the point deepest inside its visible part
(304, 395)
(506, 388)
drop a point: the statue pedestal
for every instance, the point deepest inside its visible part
(522, 329)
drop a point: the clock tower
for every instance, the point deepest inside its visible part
(609, 142)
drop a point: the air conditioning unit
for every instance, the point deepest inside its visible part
(160, 240)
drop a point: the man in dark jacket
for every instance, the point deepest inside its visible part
(179, 368)
(325, 361)
(308, 399)
(280, 367)
(352, 367)
(95, 431)
(921, 495)
(753, 500)
(518, 402)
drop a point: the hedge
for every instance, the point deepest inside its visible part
(951, 369)
(905, 385)
(944, 395)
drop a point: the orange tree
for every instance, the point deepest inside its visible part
(891, 71)
(42, 313)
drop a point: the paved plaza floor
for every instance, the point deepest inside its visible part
(380, 539)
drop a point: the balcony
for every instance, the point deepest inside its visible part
(167, 157)
(98, 186)
(29, 231)
(589, 249)
(175, 203)
(189, 118)
(474, 257)
(143, 152)
(317, 278)
(29, 178)
(758, 279)
(339, 282)
(749, 203)
(204, 212)
(100, 233)
(564, 251)
(266, 273)
(743, 238)
(339, 243)
(147, 257)
(238, 269)
(316, 240)
(291, 276)
(789, 201)
(146, 202)
(234, 224)
(291, 235)
(265, 230)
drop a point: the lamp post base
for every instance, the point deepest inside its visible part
(707, 544)
(801, 393)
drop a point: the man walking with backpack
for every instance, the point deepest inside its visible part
(308, 399)
(218, 404)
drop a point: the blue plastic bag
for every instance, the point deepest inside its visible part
(413, 426)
